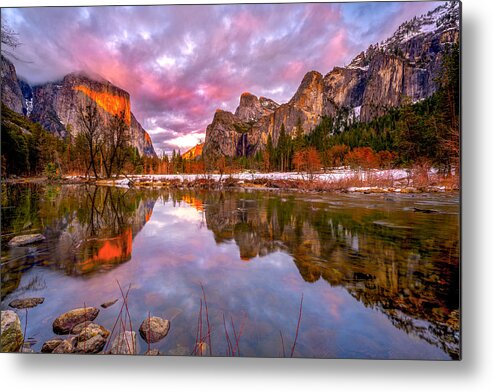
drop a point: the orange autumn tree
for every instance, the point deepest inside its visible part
(336, 155)
(307, 160)
(362, 158)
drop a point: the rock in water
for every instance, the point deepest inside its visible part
(25, 303)
(153, 329)
(27, 239)
(79, 327)
(125, 343)
(92, 345)
(67, 321)
(50, 345)
(109, 303)
(11, 338)
(153, 352)
(92, 330)
(65, 347)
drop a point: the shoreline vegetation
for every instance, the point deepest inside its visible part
(341, 179)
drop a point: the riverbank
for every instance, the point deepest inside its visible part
(335, 180)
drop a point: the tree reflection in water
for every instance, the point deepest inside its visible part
(385, 254)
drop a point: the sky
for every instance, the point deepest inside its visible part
(181, 63)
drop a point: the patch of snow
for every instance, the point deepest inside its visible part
(365, 68)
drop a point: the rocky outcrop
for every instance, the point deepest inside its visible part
(252, 108)
(403, 68)
(221, 136)
(194, 152)
(140, 138)
(11, 91)
(11, 338)
(56, 105)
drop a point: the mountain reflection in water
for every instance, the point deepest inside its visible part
(389, 257)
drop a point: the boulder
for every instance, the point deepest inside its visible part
(11, 338)
(25, 303)
(65, 347)
(79, 327)
(26, 239)
(91, 331)
(50, 345)
(125, 343)
(153, 329)
(153, 352)
(64, 323)
(92, 345)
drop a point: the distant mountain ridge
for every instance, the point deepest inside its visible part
(54, 104)
(405, 66)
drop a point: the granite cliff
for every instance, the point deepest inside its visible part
(403, 67)
(55, 105)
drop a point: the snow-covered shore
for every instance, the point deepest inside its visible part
(329, 176)
(340, 179)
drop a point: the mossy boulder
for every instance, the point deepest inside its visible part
(11, 339)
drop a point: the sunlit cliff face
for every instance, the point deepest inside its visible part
(112, 104)
(194, 152)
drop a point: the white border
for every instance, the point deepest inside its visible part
(474, 373)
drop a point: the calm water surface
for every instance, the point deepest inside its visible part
(379, 274)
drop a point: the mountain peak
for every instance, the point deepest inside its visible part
(252, 108)
(446, 16)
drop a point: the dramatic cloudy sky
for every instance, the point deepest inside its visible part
(180, 63)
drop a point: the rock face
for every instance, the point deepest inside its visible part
(11, 91)
(194, 152)
(64, 323)
(221, 136)
(25, 303)
(404, 67)
(26, 239)
(153, 329)
(55, 105)
(252, 108)
(11, 338)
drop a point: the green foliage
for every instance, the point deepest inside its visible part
(51, 171)
(26, 146)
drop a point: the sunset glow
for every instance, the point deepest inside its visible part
(113, 104)
(180, 63)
